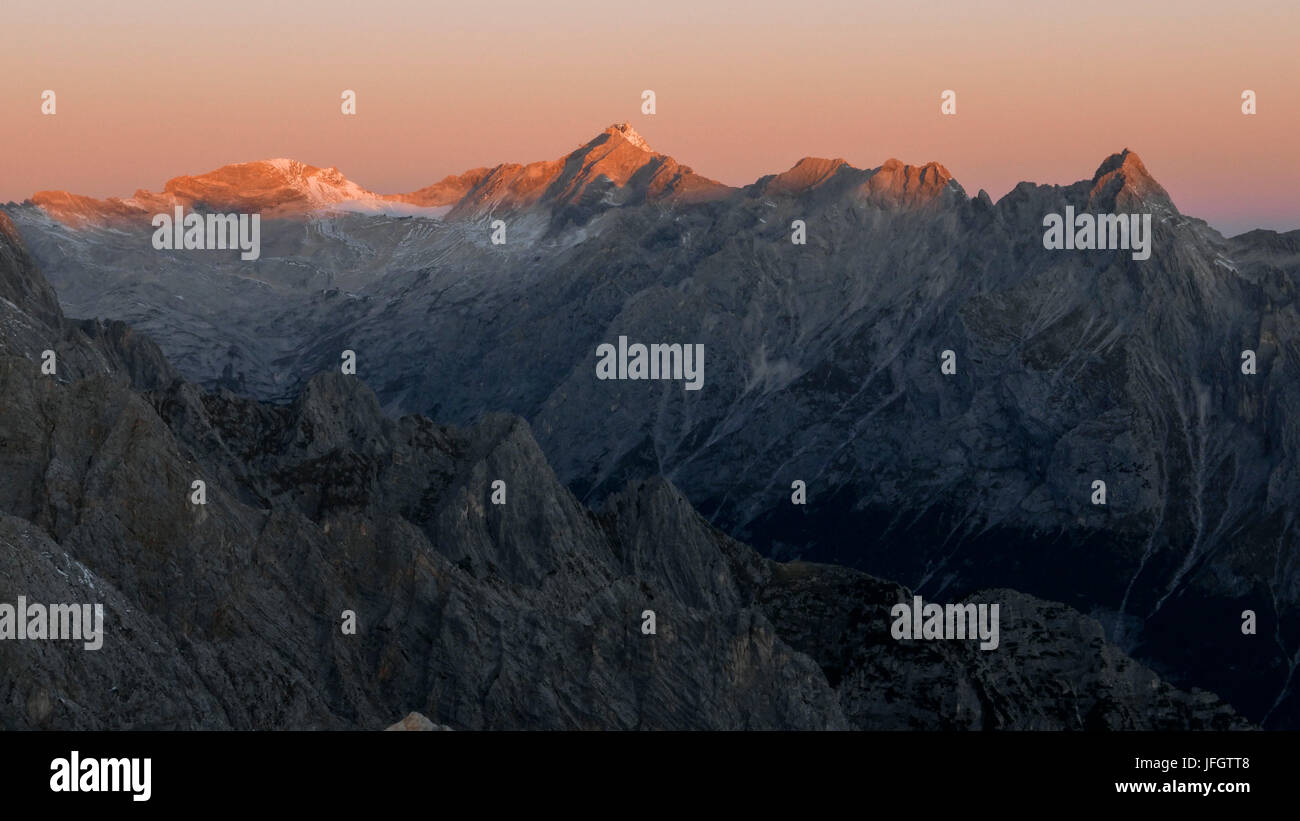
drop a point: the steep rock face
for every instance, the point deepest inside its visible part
(518, 616)
(22, 288)
(822, 365)
(523, 615)
(898, 184)
(1122, 183)
(31, 323)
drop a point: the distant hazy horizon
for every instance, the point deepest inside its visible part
(1045, 91)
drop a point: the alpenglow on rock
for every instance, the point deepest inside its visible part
(823, 367)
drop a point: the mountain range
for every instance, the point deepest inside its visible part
(616, 167)
(227, 614)
(822, 366)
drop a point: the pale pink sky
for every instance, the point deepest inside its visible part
(1045, 90)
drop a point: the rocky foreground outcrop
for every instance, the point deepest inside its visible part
(416, 722)
(527, 614)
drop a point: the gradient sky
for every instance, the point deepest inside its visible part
(1045, 90)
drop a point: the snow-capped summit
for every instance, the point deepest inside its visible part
(630, 134)
(278, 185)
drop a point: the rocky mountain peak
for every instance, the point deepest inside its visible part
(273, 185)
(1123, 181)
(896, 183)
(630, 134)
(276, 187)
(805, 175)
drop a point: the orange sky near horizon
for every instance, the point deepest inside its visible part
(1045, 90)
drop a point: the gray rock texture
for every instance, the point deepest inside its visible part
(522, 615)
